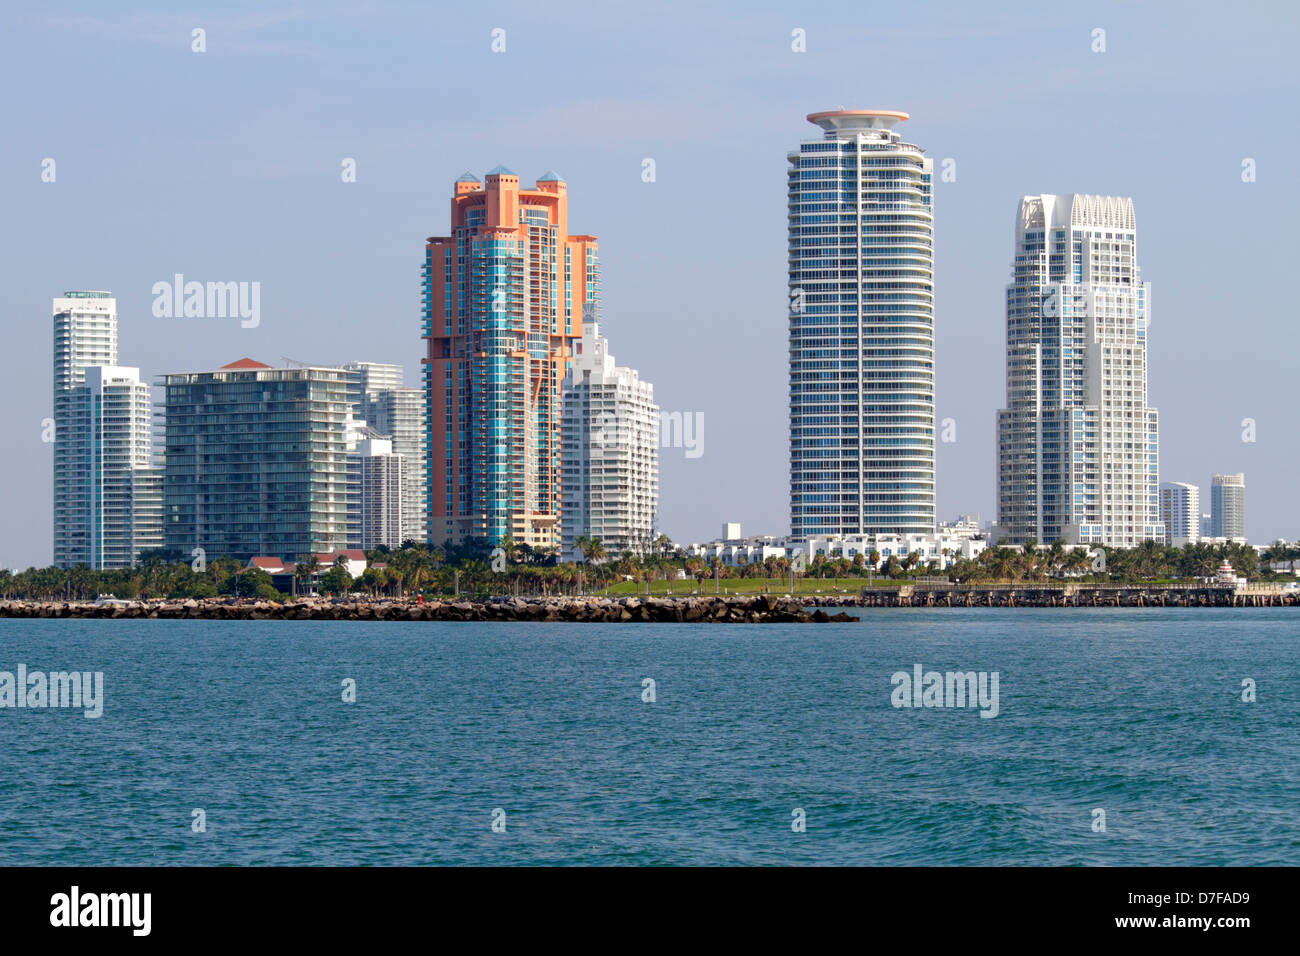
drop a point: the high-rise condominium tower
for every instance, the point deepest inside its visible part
(503, 306)
(611, 453)
(256, 461)
(107, 493)
(399, 414)
(1077, 443)
(1180, 510)
(379, 483)
(1228, 506)
(861, 282)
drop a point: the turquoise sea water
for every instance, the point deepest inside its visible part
(1135, 712)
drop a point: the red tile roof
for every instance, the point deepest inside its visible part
(246, 363)
(266, 564)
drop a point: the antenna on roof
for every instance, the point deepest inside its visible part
(295, 363)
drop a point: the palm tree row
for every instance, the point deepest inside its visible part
(416, 569)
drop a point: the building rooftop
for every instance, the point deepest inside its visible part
(246, 363)
(857, 119)
(502, 171)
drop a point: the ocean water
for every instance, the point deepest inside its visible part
(1138, 713)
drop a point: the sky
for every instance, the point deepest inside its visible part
(226, 165)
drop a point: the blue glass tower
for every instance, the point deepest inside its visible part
(861, 282)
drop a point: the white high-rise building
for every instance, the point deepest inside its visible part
(107, 491)
(365, 381)
(399, 413)
(610, 452)
(1180, 510)
(1228, 506)
(85, 334)
(380, 487)
(861, 315)
(113, 506)
(1077, 443)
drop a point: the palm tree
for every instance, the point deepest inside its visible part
(419, 570)
(663, 545)
(306, 570)
(998, 561)
(1056, 556)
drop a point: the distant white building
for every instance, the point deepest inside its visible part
(731, 531)
(399, 414)
(380, 511)
(107, 491)
(942, 548)
(966, 526)
(610, 452)
(114, 413)
(1180, 510)
(1228, 507)
(365, 381)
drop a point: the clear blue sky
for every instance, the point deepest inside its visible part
(225, 165)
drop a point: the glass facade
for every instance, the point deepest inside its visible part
(256, 461)
(861, 320)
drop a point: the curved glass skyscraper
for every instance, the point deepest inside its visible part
(861, 330)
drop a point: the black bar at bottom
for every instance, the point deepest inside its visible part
(335, 905)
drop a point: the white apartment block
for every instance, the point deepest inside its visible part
(1228, 507)
(609, 452)
(1180, 510)
(399, 414)
(111, 507)
(365, 380)
(379, 489)
(1077, 443)
(945, 549)
(107, 492)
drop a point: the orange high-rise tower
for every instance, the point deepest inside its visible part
(504, 298)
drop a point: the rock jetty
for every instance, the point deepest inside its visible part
(767, 608)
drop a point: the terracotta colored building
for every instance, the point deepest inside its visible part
(504, 300)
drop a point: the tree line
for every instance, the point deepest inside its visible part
(480, 569)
